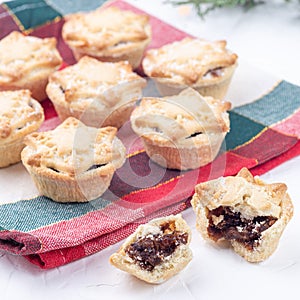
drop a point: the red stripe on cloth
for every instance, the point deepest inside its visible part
(49, 109)
(267, 145)
(272, 163)
(290, 125)
(54, 29)
(183, 186)
(19, 242)
(76, 231)
(50, 124)
(6, 19)
(56, 258)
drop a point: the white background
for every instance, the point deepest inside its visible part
(266, 38)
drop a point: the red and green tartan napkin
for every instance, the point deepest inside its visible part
(263, 134)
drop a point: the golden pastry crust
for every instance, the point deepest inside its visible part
(98, 93)
(20, 115)
(258, 212)
(30, 67)
(159, 267)
(74, 162)
(183, 131)
(203, 65)
(95, 34)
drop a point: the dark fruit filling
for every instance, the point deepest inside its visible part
(234, 227)
(93, 167)
(150, 250)
(54, 170)
(217, 72)
(194, 135)
(62, 89)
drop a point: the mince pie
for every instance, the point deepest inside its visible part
(108, 34)
(20, 115)
(183, 131)
(98, 93)
(26, 63)
(73, 162)
(203, 65)
(244, 211)
(156, 251)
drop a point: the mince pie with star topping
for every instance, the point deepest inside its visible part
(203, 65)
(98, 93)
(73, 162)
(108, 34)
(183, 131)
(26, 63)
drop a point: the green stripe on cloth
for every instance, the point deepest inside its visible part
(31, 214)
(31, 14)
(273, 107)
(241, 130)
(69, 6)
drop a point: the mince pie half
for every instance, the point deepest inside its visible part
(245, 211)
(157, 250)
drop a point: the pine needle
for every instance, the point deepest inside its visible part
(203, 7)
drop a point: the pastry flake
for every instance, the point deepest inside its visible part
(245, 211)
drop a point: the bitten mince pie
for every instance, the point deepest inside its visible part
(20, 115)
(203, 65)
(26, 63)
(183, 131)
(156, 251)
(108, 34)
(98, 93)
(73, 162)
(245, 211)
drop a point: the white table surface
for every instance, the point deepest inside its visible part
(267, 37)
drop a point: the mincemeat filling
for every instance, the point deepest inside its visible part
(232, 226)
(151, 250)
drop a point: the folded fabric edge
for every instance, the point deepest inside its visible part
(59, 257)
(17, 242)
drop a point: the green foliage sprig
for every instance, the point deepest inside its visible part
(203, 7)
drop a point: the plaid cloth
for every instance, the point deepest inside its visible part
(263, 134)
